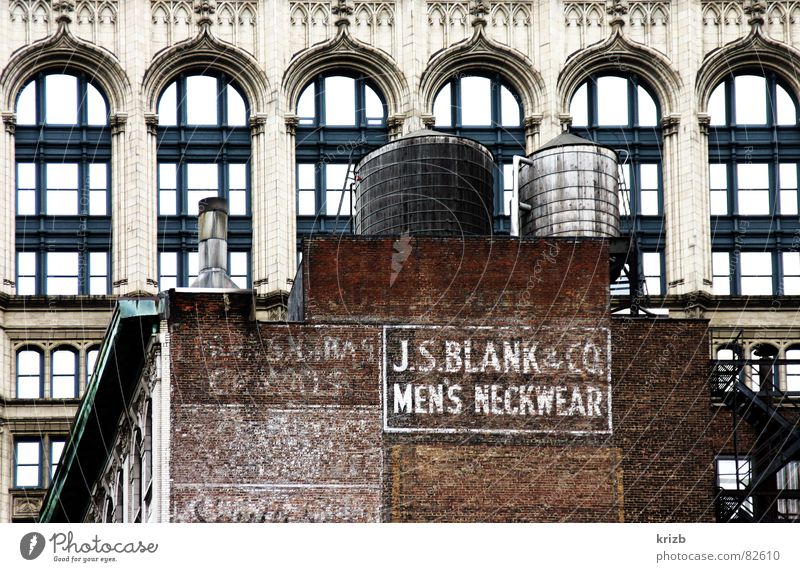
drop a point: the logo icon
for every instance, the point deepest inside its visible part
(31, 546)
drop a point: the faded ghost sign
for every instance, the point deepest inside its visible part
(496, 380)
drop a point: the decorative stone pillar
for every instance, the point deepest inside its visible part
(7, 205)
(259, 202)
(532, 125)
(395, 125)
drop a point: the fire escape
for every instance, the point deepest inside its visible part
(757, 497)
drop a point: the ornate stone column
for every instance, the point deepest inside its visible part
(7, 206)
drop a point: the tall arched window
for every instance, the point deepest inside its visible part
(620, 112)
(341, 118)
(63, 154)
(203, 150)
(486, 109)
(29, 373)
(64, 373)
(754, 153)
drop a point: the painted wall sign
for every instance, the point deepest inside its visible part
(496, 379)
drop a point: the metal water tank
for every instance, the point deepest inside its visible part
(425, 183)
(571, 186)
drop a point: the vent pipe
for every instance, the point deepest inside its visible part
(212, 227)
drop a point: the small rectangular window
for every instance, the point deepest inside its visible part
(721, 270)
(238, 265)
(26, 188)
(27, 464)
(202, 182)
(62, 273)
(306, 189)
(648, 189)
(237, 189)
(791, 273)
(756, 273)
(167, 270)
(29, 374)
(98, 189)
(26, 273)
(727, 476)
(718, 182)
(651, 267)
(337, 190)
(167, 189)
(753, 188)
(62, 189)
(98, 273)
(788, 188)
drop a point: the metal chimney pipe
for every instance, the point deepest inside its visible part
(212, 226)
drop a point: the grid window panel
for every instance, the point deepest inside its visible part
(648, 189)
(793, 370)
(721, 270)
(625, 186)
(651, 267)
(26, 273)
(202, 182)
(718, 182)
(27, 464)
(167, 189)
(26, 189)
(62, 273)
(98, 273)
(237, 189)
(508, 187)
(29, 374)
(787, 172)
(753, 188)
(62, 188)
(238, 264)
(727, 477)
(306, 189)
(791, 273)
(64, 377)
(167, 270)
(336, 177)
(756, 273)
(98, 189)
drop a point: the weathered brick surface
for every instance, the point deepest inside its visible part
(472, 280)
(663, 419)
(503, 484)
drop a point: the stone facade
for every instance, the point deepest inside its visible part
(543, 48)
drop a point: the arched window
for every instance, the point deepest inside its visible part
(64, 373)
(203, 151)
(620, 112)
(763, 374)
(485, 108)
(341, 118)
(754, 153)
(63, 154)
(29, 373)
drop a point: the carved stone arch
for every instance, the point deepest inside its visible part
(63, 50)
(481, 53)
(500, 11)
(345, 51)
(754, 50)
(620, 55)
(206, 51)
(713, 11)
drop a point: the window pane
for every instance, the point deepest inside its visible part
(203, 182)
(579, 107)
(97, 176)
(26, 105)
(340, 100)
(788, 185)
(756, 271)
(167, 106)
(612, 101)
(62, 273)
(374, 106)
(651, 265)
(62, 176)
(166, 176)
(238, 268)
(26, 188)
(237, 114)
(332, 200)
(91, 361)
(168, 263)
(56, 450)
(509, 109)
(716, 105)
(194, 265)
(718, 181)
(98, 263)
(306, 203)
(237, 203)
(61, 101)
(201, 100)
(62, 286)
(336, 176)
(442, 108)
(237, 176)
(720, 264)
(167, 197)
(648, 116)
(786, 111)
(508, 187)
(306, 109)
(751, 100)
(26, 263)
(28, 362)
(753, 182)
(28, 452)
(167, 203)
(727, 475)
(648, 183)
(476, 101)
(624, 189)
(96, 113)
(63, 362)
(306, 176)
